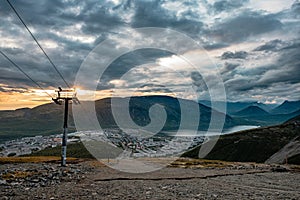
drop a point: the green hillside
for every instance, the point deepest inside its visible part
(75, 150)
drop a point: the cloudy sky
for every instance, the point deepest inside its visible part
(255, 46)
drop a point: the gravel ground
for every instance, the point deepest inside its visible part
(88, 180)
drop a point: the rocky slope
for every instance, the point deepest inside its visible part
(185, 179)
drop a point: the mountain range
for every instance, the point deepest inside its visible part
(287, 107)
(233, 107)
(252, 111)
(139, 111)
(47, 119)
(256, 113)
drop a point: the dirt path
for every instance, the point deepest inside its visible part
(87, 181)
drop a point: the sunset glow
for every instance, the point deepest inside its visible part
(254, 45)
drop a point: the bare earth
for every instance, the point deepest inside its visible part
(181, 180)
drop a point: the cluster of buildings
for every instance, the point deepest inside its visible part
(159, 145)
(27, 145)
(135, 144)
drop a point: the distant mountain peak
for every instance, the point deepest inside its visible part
(251, 111)
(287, 107)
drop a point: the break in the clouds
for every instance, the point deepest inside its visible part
(255, 44)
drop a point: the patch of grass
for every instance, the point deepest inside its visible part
(37, 159)
(75, 150)
(33, 159)
(199, 163)
(17, 174)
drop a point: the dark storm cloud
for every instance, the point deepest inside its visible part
(39, 13)
(151, 85)
(198, 81)
(47, 18)
(279, 45)
(13, 89)
(152, 14)
(246, 24)
(292, 45)
(287, 71)
(96, 17)
(99, 18)
(227, 5)
(62, 21)
(284, 71)
(295, 9)
(15, 82)
(135, 58)
(19, 80)
(234, 55)
(258, 70)
(213, 46)
(244, 81)
(13, 50)
(228, 70)
(160, 90)
(229, 67)
(33, 65)
(241, 84)
(128, 61)
(273, 45)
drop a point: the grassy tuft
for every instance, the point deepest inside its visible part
(33, 159)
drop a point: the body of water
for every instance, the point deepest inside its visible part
(239, 128)
(204, 133)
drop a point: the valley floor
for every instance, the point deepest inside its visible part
(184, 179)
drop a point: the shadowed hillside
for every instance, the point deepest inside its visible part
(47, 119)
(287, 107)
(256, 145)
(252, 111)
(41, 120)
(139, 110)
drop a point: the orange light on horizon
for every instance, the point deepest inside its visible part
(30, 98)
(15, 100)
(35, 97)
